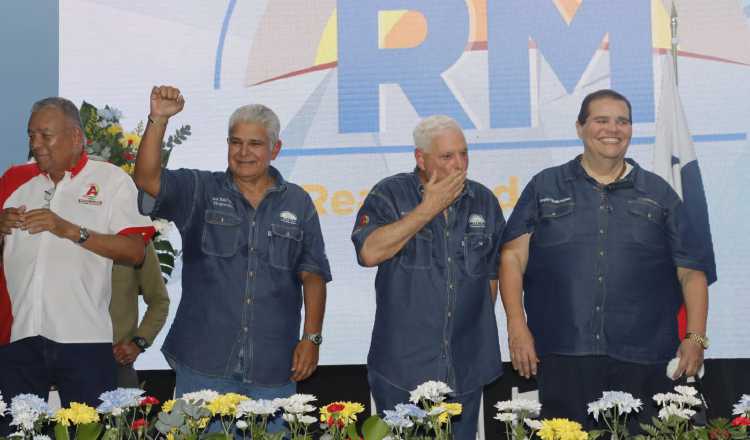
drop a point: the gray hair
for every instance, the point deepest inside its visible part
(257, 114)
(68, 109)
(430, 127)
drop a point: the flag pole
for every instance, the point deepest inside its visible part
(673, 21)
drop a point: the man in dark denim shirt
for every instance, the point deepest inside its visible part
(434, 236)
(252, 246)
(602, 252)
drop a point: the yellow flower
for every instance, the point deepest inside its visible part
(346, 412)
(226, 404)
(128, 168)
(451, 409)
(561, 429)
(77, 414)
(130, 138)
(168, 405)
(114, 129)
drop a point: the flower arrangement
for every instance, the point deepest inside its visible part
(126, 414)
(614, 408)
(518, 416)
(106, 140)
(427, 416)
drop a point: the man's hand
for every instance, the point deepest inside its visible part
(39, 220)
(691, 359)
(522, 352)
(166, 101)
(438, 195)
(125, 352)
(304, 360)
(11, 218)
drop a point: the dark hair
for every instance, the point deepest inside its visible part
(583, 113)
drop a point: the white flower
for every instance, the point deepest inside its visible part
(207, 396)
(307, 419)
(533, 424)
(261, 407)
(686, 390)
(296, 403)
(674, 410)
(3, 405)
(241, 424)
(436, 411)
(596, 407)
(162, 226)
(506, 417)
(26, 409)
(743, 406)
(291, 418)
(529, 407)
(41, 437)
(431, 390)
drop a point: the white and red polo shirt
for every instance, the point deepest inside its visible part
(51, 286)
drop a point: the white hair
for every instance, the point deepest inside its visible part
(257, 114)
(429, 127)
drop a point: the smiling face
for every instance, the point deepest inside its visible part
(54, 141)
(448, 153)
(249, 153)
(607, 130)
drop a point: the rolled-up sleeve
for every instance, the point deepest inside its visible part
(376, 211)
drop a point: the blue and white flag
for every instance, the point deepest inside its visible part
(676, 162)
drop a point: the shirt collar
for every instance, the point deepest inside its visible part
(279, 184)
(635, 178)
(468, 189)
(75, 169)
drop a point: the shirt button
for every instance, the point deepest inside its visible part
(244, 329)
(601, 231)
(600, 279)
(253, 223)
(450, 286)
(597, 336)
(601, 253)
(598, 308)
(447, 233)
(252, 274)
(601, 207)
(249, 300)
(252, 249)
(449, 259)
(449, 314)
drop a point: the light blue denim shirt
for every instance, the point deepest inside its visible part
(601, 278)
(239, 316)
(435, 319)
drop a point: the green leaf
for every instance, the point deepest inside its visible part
(61, 432)
(374, 428)
(88, 431)
(216, 436)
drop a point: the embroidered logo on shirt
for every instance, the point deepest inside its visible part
(476, 221)
(364, 220)
(288, 217)
(91, 195)
(222, 202)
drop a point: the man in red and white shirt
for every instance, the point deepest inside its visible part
(64, 220)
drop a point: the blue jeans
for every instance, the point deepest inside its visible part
(188, 381)
(387, 395)
(81, 372)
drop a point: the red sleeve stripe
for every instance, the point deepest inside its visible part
(146, 232)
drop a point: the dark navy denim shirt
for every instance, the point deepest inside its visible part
(601, 278)
(239, 316)
(435, 318)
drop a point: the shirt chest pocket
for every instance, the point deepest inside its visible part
(477, 249)
(417, 254)
(221, 233)
(556, 223)
(647, 222)
(284, 246)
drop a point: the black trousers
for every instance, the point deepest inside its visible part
(32, 365)
(567, 384)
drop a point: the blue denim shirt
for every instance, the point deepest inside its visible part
(435, 318)
(239, 316)
(601, 278)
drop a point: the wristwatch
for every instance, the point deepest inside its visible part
(83, 235)
(142, 343)
(698, 339)
(315, 338)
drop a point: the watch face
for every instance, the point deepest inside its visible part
(317, 339)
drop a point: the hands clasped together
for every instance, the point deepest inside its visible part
(34, 221)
